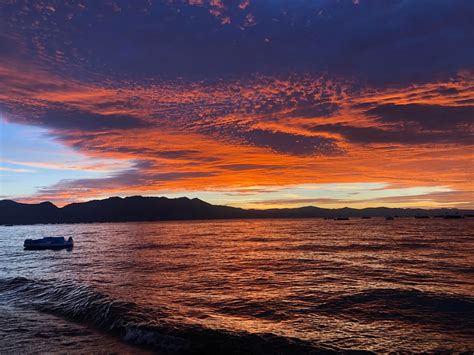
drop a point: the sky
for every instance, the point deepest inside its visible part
(248, 103)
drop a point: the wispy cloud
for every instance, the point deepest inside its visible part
(15, 170)
(66, 165)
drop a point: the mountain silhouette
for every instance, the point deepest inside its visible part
(138, 208)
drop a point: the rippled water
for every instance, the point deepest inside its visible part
(253, 286)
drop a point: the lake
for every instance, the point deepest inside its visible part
(241, 286)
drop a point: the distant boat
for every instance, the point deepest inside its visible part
(8, 225)
(365, 217)
(48, 243)
(422, 216)
(389, 218)
(341, 219)
(455, 216)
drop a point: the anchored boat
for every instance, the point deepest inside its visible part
(48, 243)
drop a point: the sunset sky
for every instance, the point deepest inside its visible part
(266, 103)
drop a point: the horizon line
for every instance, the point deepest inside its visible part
(18, 201)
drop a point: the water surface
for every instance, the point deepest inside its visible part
(250, 286)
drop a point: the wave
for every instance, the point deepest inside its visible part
(139, 325)
(152, 328)
(407, 245)
(455, 312)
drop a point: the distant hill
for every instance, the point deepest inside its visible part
(138, 208)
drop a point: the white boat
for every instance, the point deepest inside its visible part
(48, 243)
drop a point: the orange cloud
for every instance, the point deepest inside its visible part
(231, 134)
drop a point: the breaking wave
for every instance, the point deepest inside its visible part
(139, 325)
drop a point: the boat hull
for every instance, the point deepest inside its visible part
(54, 243)
(46, 247)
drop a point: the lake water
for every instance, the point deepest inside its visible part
(250, 286)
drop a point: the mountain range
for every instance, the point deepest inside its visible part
(138, 208)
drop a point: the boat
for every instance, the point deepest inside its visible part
(341, 218)
(389, 218)
(48, 243)
(456, 216)
(422, 217)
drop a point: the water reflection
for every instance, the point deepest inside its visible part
(361, 284)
